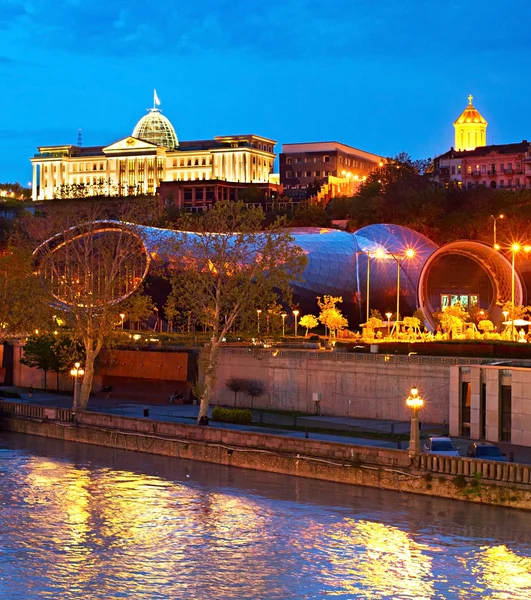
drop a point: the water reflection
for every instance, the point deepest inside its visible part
(86, 522)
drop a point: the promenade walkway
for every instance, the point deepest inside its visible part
(364, 432)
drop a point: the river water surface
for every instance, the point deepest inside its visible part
(84, 522)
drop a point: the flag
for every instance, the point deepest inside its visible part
(156, 100)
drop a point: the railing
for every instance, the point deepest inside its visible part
(364, 357)
(35, 411)
(470, 467)
(444, 465)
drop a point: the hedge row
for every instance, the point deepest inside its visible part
(242, 416)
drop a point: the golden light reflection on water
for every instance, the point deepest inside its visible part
(503, 570)
(92, 532)
(369, 558)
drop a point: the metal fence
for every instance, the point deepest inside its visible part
(321, 355)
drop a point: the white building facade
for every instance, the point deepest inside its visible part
(139, 163)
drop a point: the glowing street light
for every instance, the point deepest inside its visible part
(494, 219)
(122, 317)
(389, 315)
(515, 248)
(258, 313)
(283, 315)
(409, 253)
(379, 253)
(77, 372)
(296, 313)
(415, 402)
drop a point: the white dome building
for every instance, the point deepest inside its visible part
(157, 129)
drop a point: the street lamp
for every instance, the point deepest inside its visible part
(122, 317)
(378, 254)
(514, 249)
(388, 315)
(258, 313)
(76, 373)
(283, 315)
(409, 253)
(415, 402)
(296, 313)
(496, 246)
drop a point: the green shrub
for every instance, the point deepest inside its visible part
(242, 416)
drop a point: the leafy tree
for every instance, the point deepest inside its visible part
(49, 352)
(411, 322)
(236, 385)
(486, 326)
(309, 321)
(330, 315)
(39, 354)
(255, 389)
(23, 301)
(227, 275)
(419, 315)
(374, 323)
(92, 276)
(452, 319)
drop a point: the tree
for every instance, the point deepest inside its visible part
(236, 384)
(39, 354)
(49, 352)
(92, 270)
(227, 275)
(23, 301)
(331, 316)
(255, 389)
(486, 326)
(452, 319)
(309, 321)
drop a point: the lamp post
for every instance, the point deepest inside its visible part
(377, 254)
(409, 253)
(496, 247)
(388, 315)
(415, 402)
(122, 317)
(258, 313)
(283, 315)
(76, 373)
(296, 313)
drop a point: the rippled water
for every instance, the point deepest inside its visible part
(85, 522)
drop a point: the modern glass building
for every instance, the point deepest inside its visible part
(382, 267)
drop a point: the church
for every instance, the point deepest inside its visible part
(471, 162)
(151, 155)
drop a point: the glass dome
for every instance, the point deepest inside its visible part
(157, 129)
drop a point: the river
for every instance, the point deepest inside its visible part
(82, 522)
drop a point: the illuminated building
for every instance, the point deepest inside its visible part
(470, 129)
(139, 163)
(341, 167)
(496, 166)
(472, 163)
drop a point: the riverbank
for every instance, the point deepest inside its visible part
(501, 484)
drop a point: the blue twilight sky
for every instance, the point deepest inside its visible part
(383, 76)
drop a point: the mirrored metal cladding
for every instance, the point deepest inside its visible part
(338, 264)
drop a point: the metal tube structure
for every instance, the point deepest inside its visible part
(398, 289)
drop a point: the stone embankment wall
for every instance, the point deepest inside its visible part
(351, 385)
(458, 478)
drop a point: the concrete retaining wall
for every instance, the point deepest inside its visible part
(362, 386)
(358, 465)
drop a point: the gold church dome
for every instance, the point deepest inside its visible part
(470, 115)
